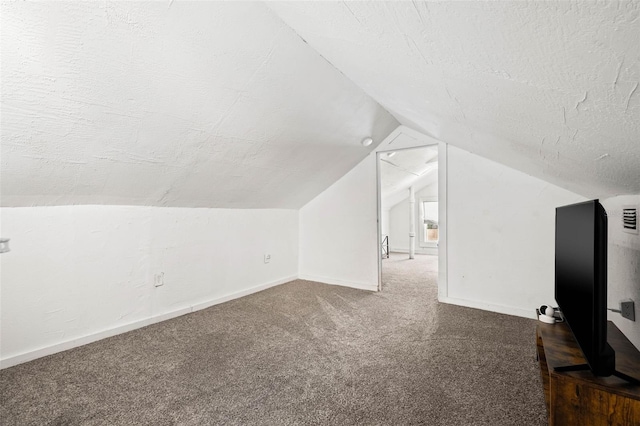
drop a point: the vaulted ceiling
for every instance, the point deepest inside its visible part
(251, 104)
(197, 104)
(548, 88)
(401, 169)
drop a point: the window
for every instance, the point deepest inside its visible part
(429, 232)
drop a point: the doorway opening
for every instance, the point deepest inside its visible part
(408, 215)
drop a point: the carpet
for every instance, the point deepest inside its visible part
(301, 353)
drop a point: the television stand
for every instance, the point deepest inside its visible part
(585, 367)
(573, 394)
(575, 367)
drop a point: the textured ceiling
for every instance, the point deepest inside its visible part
(212, 104)
(549, 88)
(199, 104)
(407, 167)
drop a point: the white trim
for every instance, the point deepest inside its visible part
(419, 140)
(243, 293)
(379, 220)
(335, 281)
(429, 251)
(443, 207)
(508, 310)
(80, 341)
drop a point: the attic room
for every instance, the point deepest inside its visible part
(191, 213)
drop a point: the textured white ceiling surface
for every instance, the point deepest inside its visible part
(417, 167)
(548, 88)
(197, 104)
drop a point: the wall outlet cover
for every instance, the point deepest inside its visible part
(158, 279)
(627, 310)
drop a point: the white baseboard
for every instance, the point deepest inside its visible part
(423, 250)
(335, 281)
(508, 310)
(242, 293)
(80, 341)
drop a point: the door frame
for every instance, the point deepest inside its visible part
(419, 141)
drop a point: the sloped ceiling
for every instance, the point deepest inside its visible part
(399, 170)
(197, 104)
(549, 88)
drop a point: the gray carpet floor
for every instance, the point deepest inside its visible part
(297, 354)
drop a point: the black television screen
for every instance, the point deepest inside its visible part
(581, 280)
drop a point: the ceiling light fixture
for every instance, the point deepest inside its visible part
(367, 141)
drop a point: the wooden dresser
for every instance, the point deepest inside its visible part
(578, 397)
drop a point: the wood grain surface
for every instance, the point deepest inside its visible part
(579, 397)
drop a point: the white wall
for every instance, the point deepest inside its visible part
(623, 266)
(498, 223)
(399, 223)
(338, 231)
(384, 221)
(79, 273)
(501, 235)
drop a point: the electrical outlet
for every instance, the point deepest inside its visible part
(627, 310)
(4, 245)
(267, 258)
(158, 279)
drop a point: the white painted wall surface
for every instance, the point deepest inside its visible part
(501, 235)
(338, 231)
(500, 226)
(76, 274)
(338, 228)
(623, 265)
(399, 223)
(384, 221)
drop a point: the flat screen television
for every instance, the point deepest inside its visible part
(581, 280)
